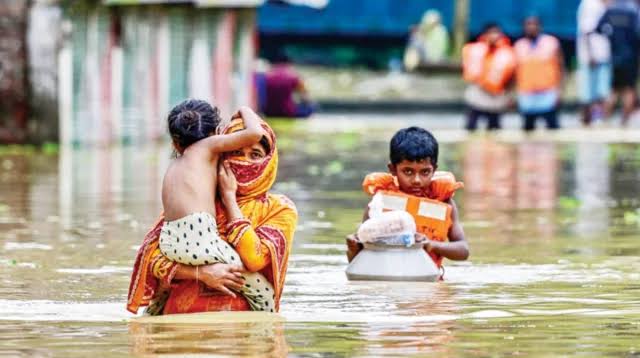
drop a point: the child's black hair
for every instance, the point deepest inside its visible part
(192, 120)
(413, 144)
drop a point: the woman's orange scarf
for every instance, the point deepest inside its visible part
(268, 214)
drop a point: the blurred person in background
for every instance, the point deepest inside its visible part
(428, 42)
(286, 94)
(488, 66)
(594, 61)
(620, 24)
(539, 75)
(260, 80)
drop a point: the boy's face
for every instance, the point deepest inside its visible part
(413, 177)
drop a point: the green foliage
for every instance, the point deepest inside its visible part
(15, 149)
(632, 217)
(48, 148)
(568, 203)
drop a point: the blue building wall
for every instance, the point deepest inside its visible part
(394, 17)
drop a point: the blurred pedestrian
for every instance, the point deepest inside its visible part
(260, 80)
(594, 61)
(539, 75)
(428, 42)
(620, 24)
(488, 66)
(286, 94)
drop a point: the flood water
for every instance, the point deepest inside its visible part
(553, 224)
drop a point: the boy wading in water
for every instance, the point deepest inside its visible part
(189, 234)
(412, 171)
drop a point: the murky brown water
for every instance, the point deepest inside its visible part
(553, 223)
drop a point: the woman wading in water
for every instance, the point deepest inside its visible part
(257, 224)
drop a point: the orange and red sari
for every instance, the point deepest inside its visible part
(262, 238)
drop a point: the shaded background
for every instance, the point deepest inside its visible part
(370, 33)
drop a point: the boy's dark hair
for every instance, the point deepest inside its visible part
(413, 144)
(490, 26)
(192, 120)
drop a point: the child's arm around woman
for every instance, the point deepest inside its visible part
(226, 142)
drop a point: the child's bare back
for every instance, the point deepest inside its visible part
(189, 184)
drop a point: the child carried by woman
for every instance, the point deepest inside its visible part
(190, 234)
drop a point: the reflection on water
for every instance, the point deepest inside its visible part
(500, 178)
(507, 176)
(489, 173)
(235, 334)
(553, 227)
(592, 188)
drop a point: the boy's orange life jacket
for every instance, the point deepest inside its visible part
(539, 66)
(491, 70)
(431, 213)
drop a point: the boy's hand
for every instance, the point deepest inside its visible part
(353, 240)
(353, 247)
(421, 237)
(424, 240)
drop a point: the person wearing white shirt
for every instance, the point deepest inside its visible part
(594, 61)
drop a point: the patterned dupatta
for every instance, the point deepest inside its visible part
(260, 208)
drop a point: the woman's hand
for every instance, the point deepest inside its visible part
(222, 277)
(227, 182)
(228, 186)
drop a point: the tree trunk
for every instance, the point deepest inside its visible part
(13, 71)
(460, 26)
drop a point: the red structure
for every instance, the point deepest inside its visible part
(13, 71)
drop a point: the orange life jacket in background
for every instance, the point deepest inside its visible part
(539, 67)
(431, 213)
(491, 70)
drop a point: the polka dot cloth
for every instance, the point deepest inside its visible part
(194, 240)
